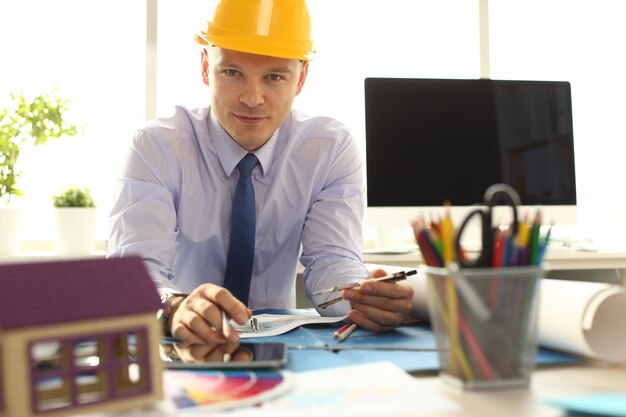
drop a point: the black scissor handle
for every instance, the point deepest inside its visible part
(497, 194)
(484, 256)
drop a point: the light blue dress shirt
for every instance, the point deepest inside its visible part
(174, 199)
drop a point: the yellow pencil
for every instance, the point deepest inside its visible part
(456, 350)
(447, 240)
(523, 234)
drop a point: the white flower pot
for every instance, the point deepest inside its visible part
(10, 219)
(75, 230)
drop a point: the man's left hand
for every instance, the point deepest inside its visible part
(379, 306)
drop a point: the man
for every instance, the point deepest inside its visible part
(181, 182)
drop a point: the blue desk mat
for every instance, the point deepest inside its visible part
(318, 337)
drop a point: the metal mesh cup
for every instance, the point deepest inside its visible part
(485, 323)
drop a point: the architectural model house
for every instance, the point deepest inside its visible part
(78, 337)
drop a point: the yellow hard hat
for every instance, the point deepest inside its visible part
(278, 28)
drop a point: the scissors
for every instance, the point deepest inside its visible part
(496, 194)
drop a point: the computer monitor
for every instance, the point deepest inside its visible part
(435, 140)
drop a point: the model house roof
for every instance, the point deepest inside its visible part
(36, 294)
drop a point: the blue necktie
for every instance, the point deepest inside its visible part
(242, 233)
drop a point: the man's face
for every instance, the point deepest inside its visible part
(251, 95)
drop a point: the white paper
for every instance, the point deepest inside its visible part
(583, 318)
(376, 389)
(275, 324)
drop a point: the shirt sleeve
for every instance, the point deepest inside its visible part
(333, 231)
(143, 217)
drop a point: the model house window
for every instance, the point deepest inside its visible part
(50, 375)
(131, 362)
(74, 371)
(91, 375)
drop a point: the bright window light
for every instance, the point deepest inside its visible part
(580, 42)
(93, 53)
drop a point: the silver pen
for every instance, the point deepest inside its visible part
(226, 333)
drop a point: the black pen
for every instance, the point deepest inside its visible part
(398, 276)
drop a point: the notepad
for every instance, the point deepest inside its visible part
(275, 324)
(375, 389)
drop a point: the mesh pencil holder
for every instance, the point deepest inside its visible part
(485, 324)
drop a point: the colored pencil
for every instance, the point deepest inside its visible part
(345, 331)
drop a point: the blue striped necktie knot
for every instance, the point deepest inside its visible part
(242, 233)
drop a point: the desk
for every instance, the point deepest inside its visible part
(552, 383)
(546, 384)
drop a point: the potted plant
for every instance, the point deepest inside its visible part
(24, 123)
(75, 220)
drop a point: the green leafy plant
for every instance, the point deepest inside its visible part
(74, 196)
(26, 123)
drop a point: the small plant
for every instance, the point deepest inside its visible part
(28, 124)
(74, 196)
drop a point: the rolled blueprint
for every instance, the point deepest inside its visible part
(584, 318)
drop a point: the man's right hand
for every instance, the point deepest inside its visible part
(198, 318)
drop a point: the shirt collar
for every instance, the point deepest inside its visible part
(230, 153)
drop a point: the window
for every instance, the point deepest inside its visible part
(94, 54)
(130, 362)
(546, 40)
(76, 371)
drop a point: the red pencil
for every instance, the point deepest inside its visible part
(344, 331)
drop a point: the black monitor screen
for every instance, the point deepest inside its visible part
(432, 140)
